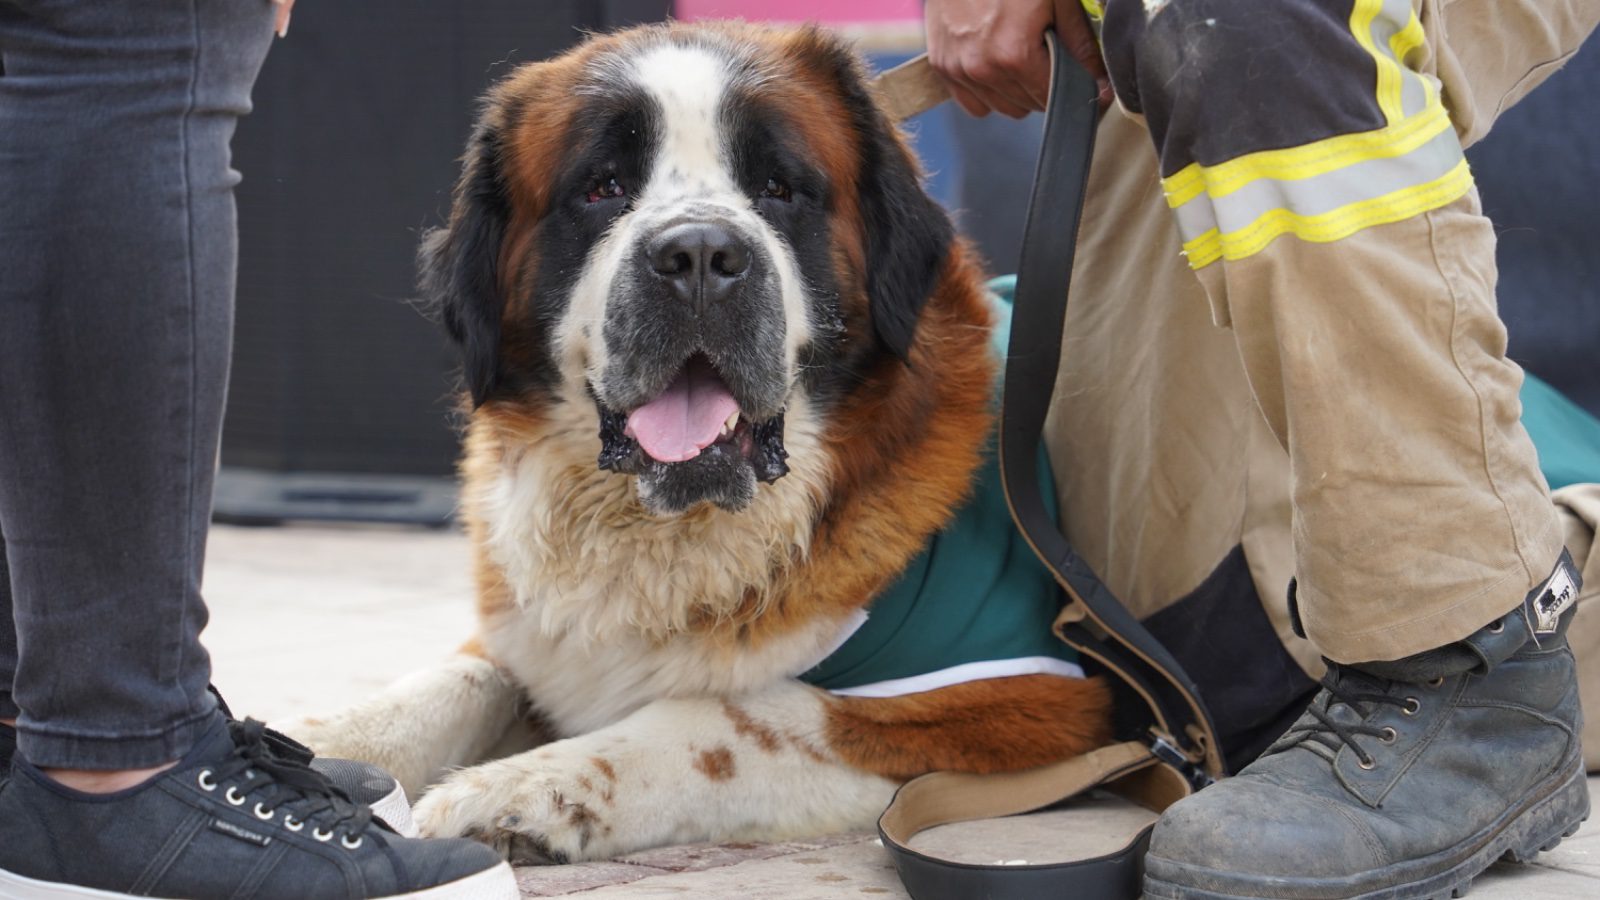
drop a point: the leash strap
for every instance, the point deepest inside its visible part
(1179, 753)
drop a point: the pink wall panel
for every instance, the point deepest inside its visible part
(833, 11)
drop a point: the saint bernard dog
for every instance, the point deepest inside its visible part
(728, 372)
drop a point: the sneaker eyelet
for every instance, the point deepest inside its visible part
(1437, 682)
(1412, 707)
(1389, 735)
(1497, 626)
(233, 796)
(345, 842)
(1367, 764)
(323, 836)
(205, 781)
(291, 823)
(264, 814)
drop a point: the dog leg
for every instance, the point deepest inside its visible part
(421, 725)
(676, 771)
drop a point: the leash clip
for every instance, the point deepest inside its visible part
(1168, 752)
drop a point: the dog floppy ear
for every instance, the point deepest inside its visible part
(908, 234)
(459, 264)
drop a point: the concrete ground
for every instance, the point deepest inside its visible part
(308, 619)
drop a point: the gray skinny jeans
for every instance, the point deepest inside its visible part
(118, 246)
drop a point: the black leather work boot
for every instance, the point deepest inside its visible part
(1403, 779)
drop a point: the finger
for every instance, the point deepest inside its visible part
(281, 19)
(1008, 106)
(967, 100)
(1018, 69)
(1032, 74)
(1077, 38)
(988, 77)
(967, 95)
(1013, 101)
(943, 64)
(1086, 51)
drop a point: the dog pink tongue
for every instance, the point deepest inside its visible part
(686, 418)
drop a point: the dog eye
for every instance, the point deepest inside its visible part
(777, 190)
(608, 189)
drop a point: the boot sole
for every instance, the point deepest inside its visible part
(491, 884)
(1551, 814)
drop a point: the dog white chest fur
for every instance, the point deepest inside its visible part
(602, 615)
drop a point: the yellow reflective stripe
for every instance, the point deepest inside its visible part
(1392, 71)
(1332, 225)
(1332, 153)
(1305, 161)
(1389, 31)
(1406, 40)
(1362, 15)
(1094, 8)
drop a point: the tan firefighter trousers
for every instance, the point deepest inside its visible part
(1282, 334)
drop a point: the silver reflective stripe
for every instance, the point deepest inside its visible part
(1396, 16)
(1331, 188)
(1323, 193)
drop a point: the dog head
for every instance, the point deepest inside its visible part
(690, 231)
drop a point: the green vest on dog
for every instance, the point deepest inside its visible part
(974, 604)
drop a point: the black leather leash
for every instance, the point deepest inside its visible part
(1175, 751)
(1105, 630)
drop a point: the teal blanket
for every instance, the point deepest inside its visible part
(1567, 437)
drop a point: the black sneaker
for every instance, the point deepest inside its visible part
(365, 784)
(234, 819)
(368, 785)
(8, 749)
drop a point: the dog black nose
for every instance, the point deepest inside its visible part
(699, 259)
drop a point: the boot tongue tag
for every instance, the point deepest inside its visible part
(1557, 596)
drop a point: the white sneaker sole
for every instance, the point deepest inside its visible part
(491, 884)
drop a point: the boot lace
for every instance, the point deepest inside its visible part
(1331, 733)
(273, 772)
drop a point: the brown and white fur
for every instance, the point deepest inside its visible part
(653, 619)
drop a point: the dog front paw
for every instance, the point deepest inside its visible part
(535, 809)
